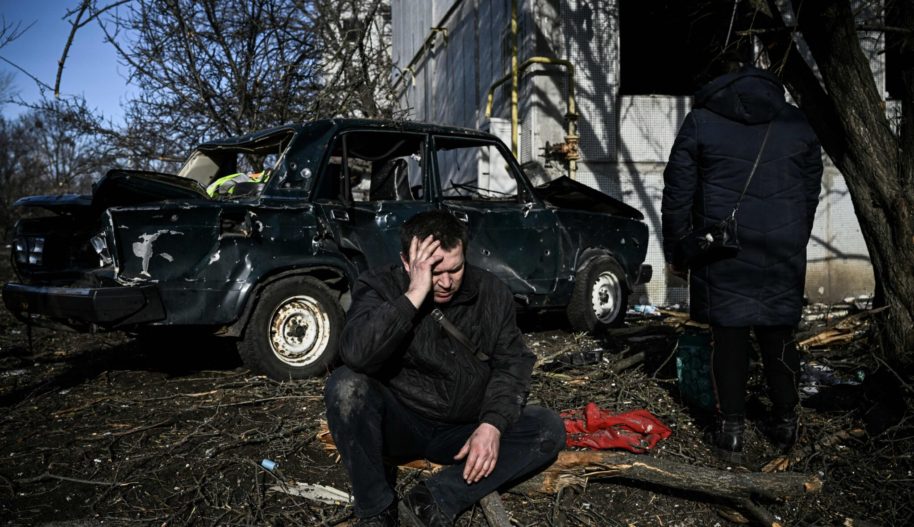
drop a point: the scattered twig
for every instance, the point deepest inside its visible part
(212, 451)
(628, 362)
(138, 429)
(47, 475)
(759, 513)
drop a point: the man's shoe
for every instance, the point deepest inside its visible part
(727, 439)
(418, 509)
(387, 518)
(783, 430)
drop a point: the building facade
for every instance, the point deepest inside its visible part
(571, 86)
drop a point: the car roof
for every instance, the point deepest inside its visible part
(345, 124)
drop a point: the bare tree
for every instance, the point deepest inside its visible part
(46, 151)
(69, 151)
(356, 63)
(214, 68)
(10, 31)
(17, 173)
(876, 156)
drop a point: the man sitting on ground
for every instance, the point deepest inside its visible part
(412, 386)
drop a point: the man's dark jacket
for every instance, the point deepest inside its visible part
(429, 371)
(708, 167)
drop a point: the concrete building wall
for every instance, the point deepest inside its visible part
(624, 140)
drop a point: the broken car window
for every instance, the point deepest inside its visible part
(380, 165)
(474, 170)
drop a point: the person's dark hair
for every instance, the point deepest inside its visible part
(439, 223)
(728, 61)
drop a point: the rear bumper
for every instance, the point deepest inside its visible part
(108, 307)
(645, 273)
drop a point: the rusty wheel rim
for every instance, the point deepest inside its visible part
(299, 330)
(606, 297)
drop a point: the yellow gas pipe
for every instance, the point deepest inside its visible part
(571, 138)
(570, 148)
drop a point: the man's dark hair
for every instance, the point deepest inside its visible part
(441, 224)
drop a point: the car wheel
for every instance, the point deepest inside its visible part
(600, 296)
(294, 331)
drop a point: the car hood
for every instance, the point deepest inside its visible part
(121, 188)
(567, 193)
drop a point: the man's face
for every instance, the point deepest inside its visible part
(447, 275)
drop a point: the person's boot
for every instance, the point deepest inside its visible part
(386, 518)
(727, 438)
(419, 509)
(784, 430)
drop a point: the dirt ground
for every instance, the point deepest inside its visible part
(103, 430)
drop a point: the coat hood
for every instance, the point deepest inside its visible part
(750, 96)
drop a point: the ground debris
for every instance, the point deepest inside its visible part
(315, 492)
(100, 429)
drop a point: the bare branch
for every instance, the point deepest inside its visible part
(74, 26)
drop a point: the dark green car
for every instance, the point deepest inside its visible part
(260, 237)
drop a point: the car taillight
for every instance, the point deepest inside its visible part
(100, 244)
(29, 250)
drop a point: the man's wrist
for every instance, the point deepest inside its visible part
(495, 420)
(490, 426)
(416, 298)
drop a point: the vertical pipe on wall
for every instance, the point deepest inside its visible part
(515, 149)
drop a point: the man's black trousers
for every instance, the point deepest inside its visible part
(369, 425)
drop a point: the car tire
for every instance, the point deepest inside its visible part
(294, 331)
(600, 296)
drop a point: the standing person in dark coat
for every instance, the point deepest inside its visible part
(411, 388)
(762, 287)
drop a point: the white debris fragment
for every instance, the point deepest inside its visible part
(314, 492)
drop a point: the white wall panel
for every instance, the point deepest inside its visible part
(648, 125)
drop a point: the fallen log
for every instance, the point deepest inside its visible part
(574, 467)
(494, 510)
(594, 465)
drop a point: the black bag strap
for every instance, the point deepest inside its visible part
(754, 166)
(453, 331)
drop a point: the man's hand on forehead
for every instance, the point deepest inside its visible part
(421, 249)
(422, 262)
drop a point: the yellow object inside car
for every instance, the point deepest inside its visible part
(225, 186)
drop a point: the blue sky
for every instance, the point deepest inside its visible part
(92, 69)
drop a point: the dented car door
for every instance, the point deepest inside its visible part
(512, 233)
(379, 176)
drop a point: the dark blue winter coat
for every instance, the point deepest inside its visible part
(708, 167)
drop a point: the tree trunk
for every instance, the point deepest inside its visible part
(849, 115)
(732, 485)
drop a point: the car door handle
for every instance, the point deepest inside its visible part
(462, 216)
(339, 215)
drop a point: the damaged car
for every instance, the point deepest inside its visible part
(259, 238)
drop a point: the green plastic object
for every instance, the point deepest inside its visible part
(693, 369)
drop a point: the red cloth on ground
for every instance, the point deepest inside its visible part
(637, 430)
